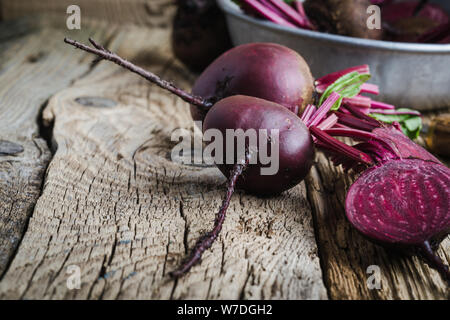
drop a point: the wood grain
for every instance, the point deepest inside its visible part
(139, 12)
(29, 74)
(115, 205)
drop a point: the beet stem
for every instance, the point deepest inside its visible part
(101, 52)
(361, 115)
(435, 261)
(206, 241)
(340, 147)
(381, 105)
(328, 123)
(323, 109)
(308, 113)
(354, 122)
(265, 12)
(332, 77)
(290, 12)
(358, 102)
(370, 88)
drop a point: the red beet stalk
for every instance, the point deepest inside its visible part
(279, 12)
(259, 9)
(291, 13)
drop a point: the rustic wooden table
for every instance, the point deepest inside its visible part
(94, 186)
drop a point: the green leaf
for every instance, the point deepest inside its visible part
(389, 118)
(411, 124)
(348, 86)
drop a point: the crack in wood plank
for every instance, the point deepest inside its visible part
(24, 85)
(112, 199)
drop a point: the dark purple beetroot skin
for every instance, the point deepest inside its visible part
(403, 25)
(344, 17)
(199, 33)
(295, 146)
(402, 202)
(263, 70)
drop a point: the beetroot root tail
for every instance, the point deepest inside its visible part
(435, 261)
(206, 241)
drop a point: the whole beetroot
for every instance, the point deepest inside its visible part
(295, 155)
(199, 33)
(344, 17)
(263, 70)
(295, 146)
(402, 23)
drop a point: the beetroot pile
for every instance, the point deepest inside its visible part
(403, 20)
(402, 195)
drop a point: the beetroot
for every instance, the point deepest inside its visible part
(439, 34)
(295, 144)
(344, 17)
(402, 197)
(295, 156)
(402, 24)
(408, 21)
(404, 9)
(295, 151)
(376, 204)
(199, 33)
(263, 70)
(379, 204)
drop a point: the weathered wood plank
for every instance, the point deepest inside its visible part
(116, 206)
(30, 72)
(140, 12)
(346, 255)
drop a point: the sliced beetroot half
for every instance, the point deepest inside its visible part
(401, 202)
(402, 197)
(405, 203)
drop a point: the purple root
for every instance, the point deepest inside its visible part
(206, 241)
(435, 261)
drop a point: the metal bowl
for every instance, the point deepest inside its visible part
(410, 75)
